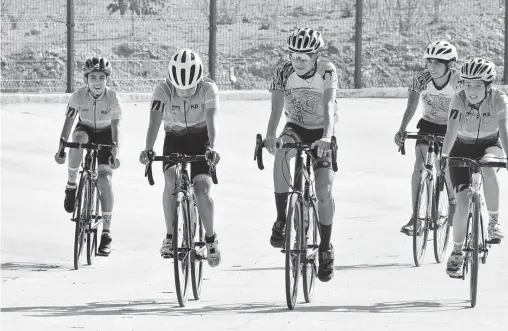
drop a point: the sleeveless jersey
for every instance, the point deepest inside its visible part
(479, 125)
(185, 115)
(435, 101)
(94, 113)
(303, 98)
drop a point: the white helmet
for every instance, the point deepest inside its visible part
(185, 69)
(441, 50)
(304, 41)
(478, 69)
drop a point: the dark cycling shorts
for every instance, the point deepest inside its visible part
(191, 144)
(461, 176)
(97, 137)
(427, 127)
(301, 134)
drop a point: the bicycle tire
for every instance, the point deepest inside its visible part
(292, 265)
(197, 267)
(91, 232)
(420, 236)
(311, 244)
(441, 228)
(475, 258)
(181, 250)
(80, 211)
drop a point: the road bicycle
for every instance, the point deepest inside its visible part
(301, 246)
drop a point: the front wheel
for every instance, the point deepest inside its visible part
(199, 254)
(475, 254)
(293, 250)
(80, 217)
(181, 250)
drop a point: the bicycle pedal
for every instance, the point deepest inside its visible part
(494, 241)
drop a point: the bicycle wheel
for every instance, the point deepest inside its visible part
(441, 221)
(80, 217)
(311, 244)
(292, 250)
(475, 254)
(181, 249)
(199, 253)
(421, 216)
(91, 228)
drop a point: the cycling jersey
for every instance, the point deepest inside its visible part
(95, 114)
(481, 125)
(185, 115)
(303, 98)
(435, 100)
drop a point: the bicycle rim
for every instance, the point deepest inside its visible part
(292, 241)
(80, 215)
(197, 262)
(421, 215)
(91, 235)
(181, 251)
(441, 223)
(475, 256)
(311, 242)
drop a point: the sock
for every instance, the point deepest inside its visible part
(210, 240)
(72, 175)
(457, 247)
(281, 200)
(106, 216)
(493, 217)
(326, 235)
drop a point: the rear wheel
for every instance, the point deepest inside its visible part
(181, 250)
(421, 221)
(311, 241)
(293, 250)
(81, 214)
(441, 221)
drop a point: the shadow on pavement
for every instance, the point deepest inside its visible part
(337, 267)
(28, 266)
(158, 307)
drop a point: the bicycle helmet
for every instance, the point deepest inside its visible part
(304, 41)
(185, 69)
(478, 69)
(441, 50)
(97, 64)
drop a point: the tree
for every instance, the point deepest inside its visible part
(138, 7)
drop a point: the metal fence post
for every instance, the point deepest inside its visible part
(358, 43)
(212, 40)
(505, 72)
(70, 46)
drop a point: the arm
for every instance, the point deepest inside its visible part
(66, 130)
(277, 108)
(503, 134)
(412, 104)
(452, 131)
(328, 108)
(211, 125)
(153, 128)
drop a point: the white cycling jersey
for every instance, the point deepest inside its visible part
(94, 113)
(185, 115)
(303, 98)
(435, 101)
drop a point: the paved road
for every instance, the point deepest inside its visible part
(375, 285)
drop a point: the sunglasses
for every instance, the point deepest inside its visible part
(299, 56)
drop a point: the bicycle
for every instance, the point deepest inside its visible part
(86, 213)
(188, 252)
(431, 208)
(301, 250)
(476, 246)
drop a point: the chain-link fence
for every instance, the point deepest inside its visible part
(138, 36)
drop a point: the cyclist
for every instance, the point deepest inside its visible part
(434, 86)
(99, 109)
(305, 86)
(188, 103)
(477, 125)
